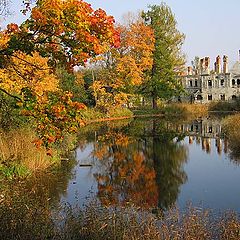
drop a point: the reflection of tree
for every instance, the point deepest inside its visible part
(168, 155)
(168, 160)
(128, 177)
(232, 145)
(143, 165)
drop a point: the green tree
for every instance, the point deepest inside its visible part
(168, 60)
(72, 82)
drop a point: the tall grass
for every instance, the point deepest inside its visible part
(231, 128)
(18, 152)
(225, 106)
(21, 219)
(92, 114)
(185, 109)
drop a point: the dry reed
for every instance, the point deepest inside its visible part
(16, 146)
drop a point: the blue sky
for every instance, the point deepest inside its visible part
(211, 26)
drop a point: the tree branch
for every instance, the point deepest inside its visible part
(10, 95)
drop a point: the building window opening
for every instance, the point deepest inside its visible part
(190, 83)
(222, 82)
(196, 83)
(209, 97)
(222, 97)
(234, 97)
(238, 82)
(233, 82)
(199, 97)
(210, 83)
(210, 130)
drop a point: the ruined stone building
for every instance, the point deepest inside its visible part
(204, 85)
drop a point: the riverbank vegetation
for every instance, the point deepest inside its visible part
(226, 106)
(177, 110)
(23, 218)
(232, 131)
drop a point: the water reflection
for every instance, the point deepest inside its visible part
(143, 161)
(143, 164)
(152, 163)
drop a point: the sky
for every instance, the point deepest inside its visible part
(211, 26)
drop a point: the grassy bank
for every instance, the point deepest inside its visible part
(19, 156)
(94, 115)
(225, 106)
(231, 128)
(175, 110)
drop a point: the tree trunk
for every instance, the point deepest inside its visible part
(154, 102)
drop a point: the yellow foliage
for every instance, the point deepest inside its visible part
(127, 65)
(102, 97)
(26, 71)
(137, 43)
(3, 40)
(79, 79)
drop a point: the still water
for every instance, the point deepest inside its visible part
(155, 163)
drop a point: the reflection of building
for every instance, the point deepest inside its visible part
(204, 85)
(202, 131)
(203, 127)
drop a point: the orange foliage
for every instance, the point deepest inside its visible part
(58, 32)
(135, 55)
(72, 29)
(126, 65)
(129, 177)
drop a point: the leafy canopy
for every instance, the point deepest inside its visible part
(168, 59)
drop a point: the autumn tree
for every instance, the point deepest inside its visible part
(67, 32)
(124, 68)
(168, 59)
(57, 33)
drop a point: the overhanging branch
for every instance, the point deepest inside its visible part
(10, 95)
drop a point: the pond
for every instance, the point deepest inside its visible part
(155, 163)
